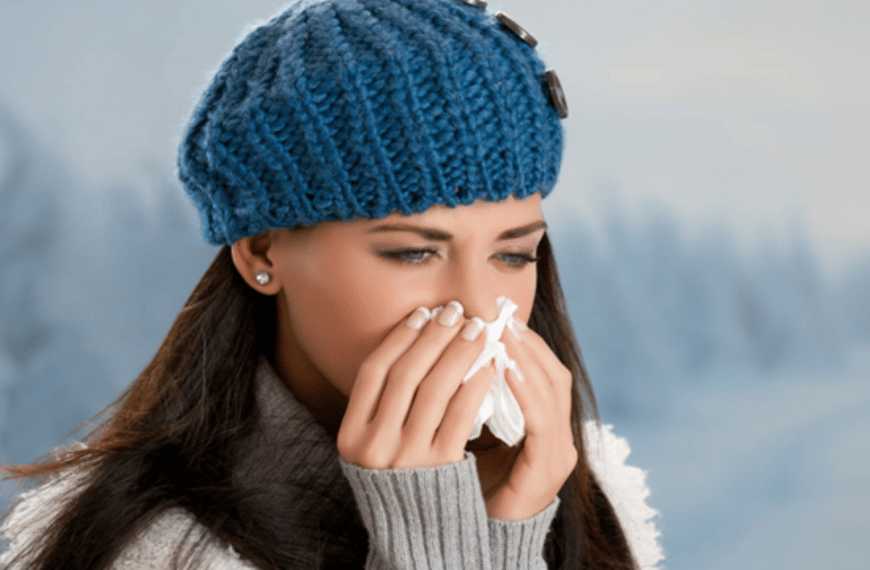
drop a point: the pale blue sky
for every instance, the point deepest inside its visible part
(749, 112)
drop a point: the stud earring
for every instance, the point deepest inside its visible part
(263, 277)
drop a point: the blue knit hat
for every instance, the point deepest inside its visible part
(338, 109)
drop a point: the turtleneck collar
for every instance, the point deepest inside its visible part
(289, 467)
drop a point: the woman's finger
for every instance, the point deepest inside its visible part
(441, 384)
(532, 348)
(544, 355)
(458, 419)
(372, 375)
(409, 369)
(535, 393)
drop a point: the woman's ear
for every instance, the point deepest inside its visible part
(250, 256)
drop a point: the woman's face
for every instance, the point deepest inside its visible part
(345, 285)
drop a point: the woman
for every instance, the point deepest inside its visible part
(374, 171)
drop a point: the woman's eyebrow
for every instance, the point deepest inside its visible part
(439, 235)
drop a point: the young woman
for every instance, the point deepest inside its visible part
(374, 171)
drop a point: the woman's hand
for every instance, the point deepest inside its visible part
(548, 455)
(408, 406)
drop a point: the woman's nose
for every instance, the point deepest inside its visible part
(477, 295)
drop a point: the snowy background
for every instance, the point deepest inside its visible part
(710, 226)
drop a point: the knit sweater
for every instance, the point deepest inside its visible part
(421, 518)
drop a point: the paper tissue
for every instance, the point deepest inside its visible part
(499, 410)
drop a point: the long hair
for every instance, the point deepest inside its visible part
(171, 440)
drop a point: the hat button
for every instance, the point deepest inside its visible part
(516, 28)
(476, 3)
(557, 94)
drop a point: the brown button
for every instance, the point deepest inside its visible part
(516, 28)
(476, 3)
(556, 93)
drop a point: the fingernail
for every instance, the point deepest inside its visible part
(435, 311)
(451, 314)
(513, 326)
(419, 318)
(472, 329)
(512, 364)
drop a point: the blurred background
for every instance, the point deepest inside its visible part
(710, 226)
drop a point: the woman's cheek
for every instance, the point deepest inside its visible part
(339, 349)
(356, 308)
(345, 371)
(354, 345)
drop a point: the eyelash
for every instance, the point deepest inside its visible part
(402, 256)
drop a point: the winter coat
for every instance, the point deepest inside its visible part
(421, 518)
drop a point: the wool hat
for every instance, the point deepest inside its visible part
(338, 109)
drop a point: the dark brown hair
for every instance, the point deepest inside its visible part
(170, 440)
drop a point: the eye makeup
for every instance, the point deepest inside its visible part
(423, 255)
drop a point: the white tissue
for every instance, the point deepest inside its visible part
(500, 410)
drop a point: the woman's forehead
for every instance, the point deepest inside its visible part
(481, 218)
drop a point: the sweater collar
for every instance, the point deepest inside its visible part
(290, 469)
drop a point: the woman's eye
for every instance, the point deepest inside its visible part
(410, 256)
(424, 255)
(518, 259)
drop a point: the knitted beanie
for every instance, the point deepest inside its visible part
(338, 109)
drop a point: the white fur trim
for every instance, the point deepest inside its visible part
(626, 488)
(35, 509)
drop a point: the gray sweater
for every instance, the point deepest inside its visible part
(423, 518)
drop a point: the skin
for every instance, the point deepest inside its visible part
(391, 394)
